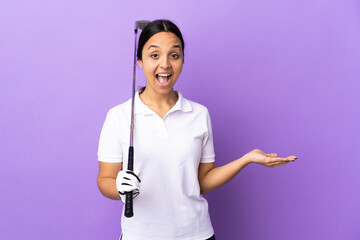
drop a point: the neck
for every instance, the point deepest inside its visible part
(152, 98)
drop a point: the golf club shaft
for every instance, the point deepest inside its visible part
(129, 195)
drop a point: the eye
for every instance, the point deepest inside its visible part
(154, 55)
(175, 55)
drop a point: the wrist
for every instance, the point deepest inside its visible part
(246, 159)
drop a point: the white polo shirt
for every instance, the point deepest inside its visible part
(168, 152)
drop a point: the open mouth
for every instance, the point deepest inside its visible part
(163, 79)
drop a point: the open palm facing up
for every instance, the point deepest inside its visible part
(268, 159)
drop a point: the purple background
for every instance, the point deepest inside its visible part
(282, 76)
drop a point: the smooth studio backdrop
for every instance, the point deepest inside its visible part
(282, 76)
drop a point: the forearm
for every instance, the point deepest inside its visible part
(217, 177)
(107, 187)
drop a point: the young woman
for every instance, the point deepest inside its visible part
(173, 145)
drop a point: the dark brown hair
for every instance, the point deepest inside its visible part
(155, 27)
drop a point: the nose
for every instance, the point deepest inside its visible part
(164, 63)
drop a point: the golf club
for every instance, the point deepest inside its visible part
(129, 196)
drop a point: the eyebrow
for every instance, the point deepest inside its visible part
(155, 46)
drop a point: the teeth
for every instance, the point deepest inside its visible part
(163, 75)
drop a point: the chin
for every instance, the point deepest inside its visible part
(165, 91)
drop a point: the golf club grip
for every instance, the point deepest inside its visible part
(129, 205)
(129, 195)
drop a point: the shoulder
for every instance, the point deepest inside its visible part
(120, 110)
(200, 114)
(197, 107)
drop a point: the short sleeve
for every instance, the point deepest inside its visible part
(208, 153)
(110, 149)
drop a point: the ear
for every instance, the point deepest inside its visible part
(139, 62)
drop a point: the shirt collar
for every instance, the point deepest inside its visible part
(182, 104)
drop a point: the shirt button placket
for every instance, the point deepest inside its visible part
(162, 128)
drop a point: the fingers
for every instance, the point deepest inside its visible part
(127, 185)
(277, 164)
(272, 155)
(127, 181)
(134, 175)
(273, 158)
(291, 158)
(276, 161)
(136, 192)
(137, 172)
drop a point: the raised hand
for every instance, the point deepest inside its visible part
(268, 159)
